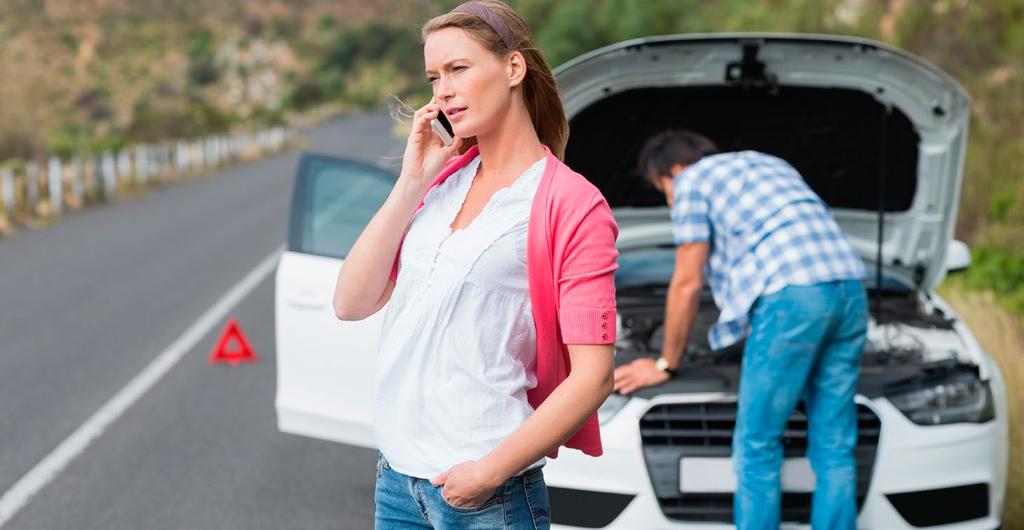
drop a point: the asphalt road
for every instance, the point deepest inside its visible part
(90, 302)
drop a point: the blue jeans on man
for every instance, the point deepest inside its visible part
(805, 342)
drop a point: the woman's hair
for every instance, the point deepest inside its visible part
(540, 93)
(665, 149)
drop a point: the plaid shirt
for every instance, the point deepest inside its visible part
(766, 228)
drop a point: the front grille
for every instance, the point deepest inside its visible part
(673, 431)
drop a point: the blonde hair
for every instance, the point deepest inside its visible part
(540, 92)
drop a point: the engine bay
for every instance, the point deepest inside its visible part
(908, 339)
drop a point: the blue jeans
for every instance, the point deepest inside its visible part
(805, 342)
(520, 503)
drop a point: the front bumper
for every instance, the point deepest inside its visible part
(941, 477)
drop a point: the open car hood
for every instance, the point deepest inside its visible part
(876, 132)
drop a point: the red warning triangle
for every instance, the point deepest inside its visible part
(232, 347)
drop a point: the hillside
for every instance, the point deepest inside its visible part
(88, 75)
(76, 75)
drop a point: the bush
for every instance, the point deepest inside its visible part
(202, 68)
(161, 120)
(95, 103)
(203, 72)
(999, 271)
(70, 139)
(307, 93)
(393, 50)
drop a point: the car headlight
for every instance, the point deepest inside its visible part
(611, 407)
(964, 399)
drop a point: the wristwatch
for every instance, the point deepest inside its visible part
(662, 365)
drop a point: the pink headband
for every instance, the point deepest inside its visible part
(490, 17)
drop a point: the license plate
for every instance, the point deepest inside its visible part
(715, 475)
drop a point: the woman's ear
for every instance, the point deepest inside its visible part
(515, 67)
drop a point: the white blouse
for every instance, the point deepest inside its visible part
(458, 344)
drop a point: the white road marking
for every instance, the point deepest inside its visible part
(49, 467)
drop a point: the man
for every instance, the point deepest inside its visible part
(786, 278)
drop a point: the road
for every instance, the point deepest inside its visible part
(90, 302)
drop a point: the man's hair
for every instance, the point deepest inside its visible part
(665, 149)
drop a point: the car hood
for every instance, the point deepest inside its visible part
(878, 133)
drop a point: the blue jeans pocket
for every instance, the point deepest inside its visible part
(496, 499)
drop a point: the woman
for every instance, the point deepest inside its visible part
(502, 265)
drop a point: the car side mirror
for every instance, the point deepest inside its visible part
(958, 256)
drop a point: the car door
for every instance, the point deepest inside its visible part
(325, 367)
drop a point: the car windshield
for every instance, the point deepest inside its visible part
(654, 265)
(644, 266)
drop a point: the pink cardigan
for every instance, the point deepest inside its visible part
(571, 263)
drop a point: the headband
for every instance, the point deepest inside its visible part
(490, 17)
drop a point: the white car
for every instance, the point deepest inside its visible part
(877, 133)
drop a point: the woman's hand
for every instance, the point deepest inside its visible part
(467, 485)
(425, 153)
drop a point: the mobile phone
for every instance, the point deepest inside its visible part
(443, 128)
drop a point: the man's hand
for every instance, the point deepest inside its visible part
(638, 374)
(467, 485)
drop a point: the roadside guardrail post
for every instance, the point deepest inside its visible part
(55, 185)
(141, 163)
(7, 189)
(92, 178)
(77, 181)
(32, 186)
(109, 174)
(181, 157)
(124, 166)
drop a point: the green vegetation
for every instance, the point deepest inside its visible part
(202, 67)
(78, 78)
(1000, 271)
(363, 65)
